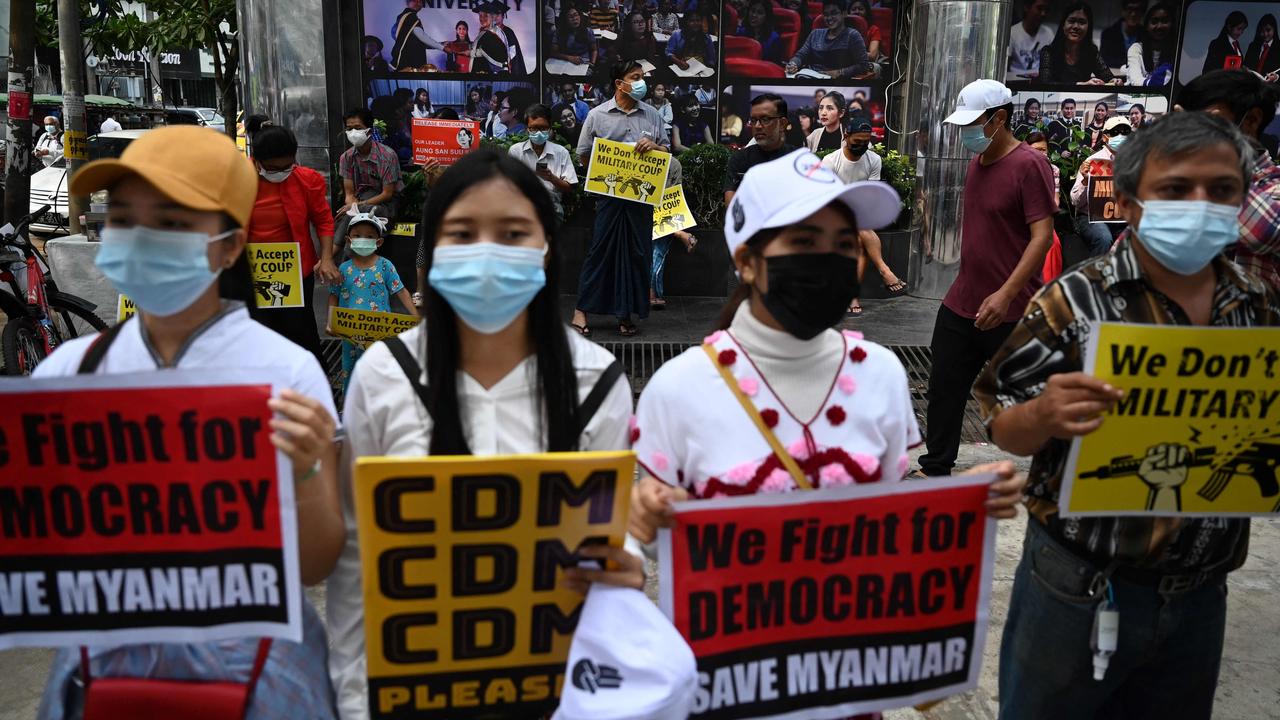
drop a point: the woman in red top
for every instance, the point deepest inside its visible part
(292, 200)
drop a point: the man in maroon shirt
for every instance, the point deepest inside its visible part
(1005, 232)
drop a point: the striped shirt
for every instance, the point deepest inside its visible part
(1050, 340)
(1259, 248)
(603, 18)
(370, 172)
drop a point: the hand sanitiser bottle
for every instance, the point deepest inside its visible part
(1105, 635)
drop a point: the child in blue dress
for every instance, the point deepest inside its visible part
(368, 281)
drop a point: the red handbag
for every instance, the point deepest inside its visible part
(155, 699)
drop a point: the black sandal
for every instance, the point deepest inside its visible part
(628, 329)
(897, 288)
(583, 330)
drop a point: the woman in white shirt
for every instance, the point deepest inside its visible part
(1151, 58)
(174, 243)
(505, 373)
(839, 405)
(422, 107)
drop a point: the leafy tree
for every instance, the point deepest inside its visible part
(178, 25)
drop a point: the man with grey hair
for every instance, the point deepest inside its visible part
(1179, 185)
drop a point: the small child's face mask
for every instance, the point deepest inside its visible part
(364, 246)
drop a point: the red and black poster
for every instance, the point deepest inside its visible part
(149, 508)
(831, 603)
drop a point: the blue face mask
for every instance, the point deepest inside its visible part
(1115, 142)
(1186, 235)
(540, 137)
(161, 271)
(974, 138)
(486, 284)
(638, 90)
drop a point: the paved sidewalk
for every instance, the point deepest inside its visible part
(1249, 687)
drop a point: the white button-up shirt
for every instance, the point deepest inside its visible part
(558, 162)
(384, 417)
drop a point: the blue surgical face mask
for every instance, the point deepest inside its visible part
(1186, 235)
(974, 138)
(161, 271)
(51, 129)
(638, 89)
(540, 137)
(486, 284)
(1114, 143)
(364, 247)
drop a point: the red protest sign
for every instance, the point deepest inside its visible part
(143, 513)
(19, 105)
(832, 602)
(443, 140)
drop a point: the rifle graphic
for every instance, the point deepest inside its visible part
(1126, 465)
(262, 287)
(1258, 461)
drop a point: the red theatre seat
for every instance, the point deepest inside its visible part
(790, 44)
(730, 20)
(742, 47)
(883, 19)
(786, 21)
(745, 67)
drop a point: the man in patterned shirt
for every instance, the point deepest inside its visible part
(1167, 575)
(370, 173)
(1242, 98)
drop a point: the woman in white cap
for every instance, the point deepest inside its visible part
(506, 376)
(838, 404)
(174, 244)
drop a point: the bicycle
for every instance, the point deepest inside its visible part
(40, 317)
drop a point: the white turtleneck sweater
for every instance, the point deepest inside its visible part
(799, 371)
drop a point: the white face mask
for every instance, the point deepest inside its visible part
(358, 137)
(275, 176)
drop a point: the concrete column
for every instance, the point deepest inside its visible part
(953, 43)
(283, 71)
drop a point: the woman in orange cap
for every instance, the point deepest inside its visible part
(174, 244)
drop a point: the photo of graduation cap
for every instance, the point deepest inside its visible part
(493, 7)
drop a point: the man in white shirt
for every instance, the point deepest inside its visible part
(548, 160)
(1028, 38)
(855, 161)
(110, 124)
(49, 147)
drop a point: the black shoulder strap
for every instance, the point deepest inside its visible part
(595, 399)
(98, 349)
(410, 366)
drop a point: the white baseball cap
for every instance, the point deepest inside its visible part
(627, 662)
(1116, 121)
(978, 97)
(789, 189)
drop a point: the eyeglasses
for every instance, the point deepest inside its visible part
(1121, 130)
(763, 121)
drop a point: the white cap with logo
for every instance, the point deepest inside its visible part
(627, 662)
(789, 189)
(978, 97)
(1116, 121)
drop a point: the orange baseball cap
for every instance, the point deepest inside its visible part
(196, 167)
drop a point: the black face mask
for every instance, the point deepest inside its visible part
(809, 293)
(858, 149)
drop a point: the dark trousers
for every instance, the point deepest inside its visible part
(296, 324)
(959, 352)
(1167, 658)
